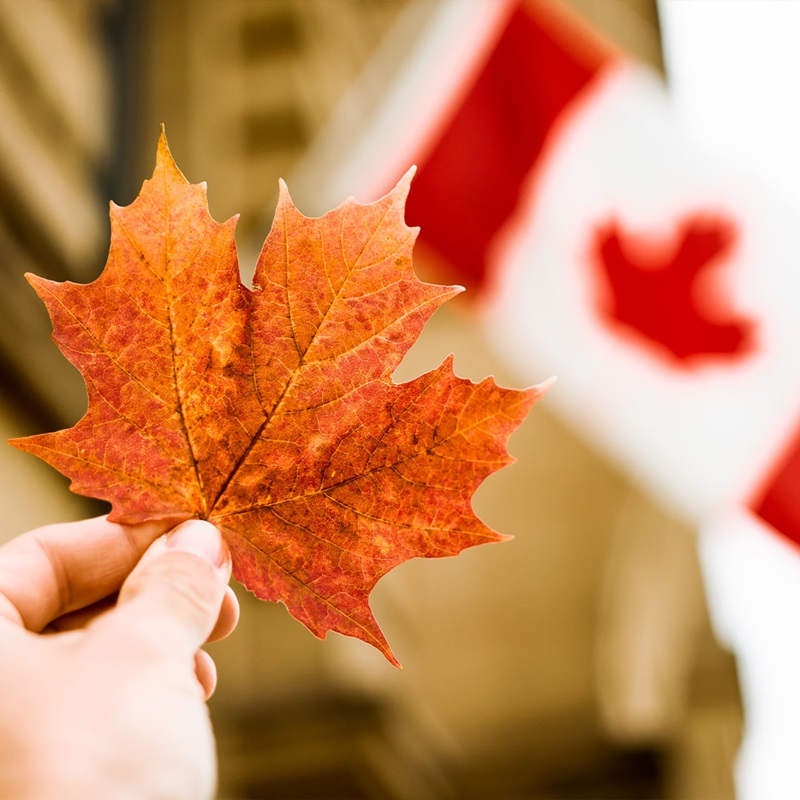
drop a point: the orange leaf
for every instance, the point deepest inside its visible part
(272, 412)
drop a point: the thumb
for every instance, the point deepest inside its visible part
(173, 596)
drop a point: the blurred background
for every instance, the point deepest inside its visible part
(576, 661)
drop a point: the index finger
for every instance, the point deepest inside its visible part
(53, 570)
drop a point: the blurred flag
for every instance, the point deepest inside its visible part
(600, 245)
(747, 113)
(658, 281)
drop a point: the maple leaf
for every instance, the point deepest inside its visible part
(271, 412)
(656, 289)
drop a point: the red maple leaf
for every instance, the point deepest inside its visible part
(660, 290)
(272, 412)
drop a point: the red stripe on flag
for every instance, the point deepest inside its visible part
(469, 182)
(778, 501)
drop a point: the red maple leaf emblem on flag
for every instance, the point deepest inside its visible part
(667, 292)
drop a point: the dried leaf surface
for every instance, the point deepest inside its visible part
(271, 412)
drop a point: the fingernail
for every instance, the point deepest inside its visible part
(200, 538)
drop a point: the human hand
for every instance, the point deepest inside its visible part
(105, 699)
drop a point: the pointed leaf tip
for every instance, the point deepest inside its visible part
(408, 176)
(284, 196)
(165, 160)
(162, 150)
(403, 186)
(545, 386)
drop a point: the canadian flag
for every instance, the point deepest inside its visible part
(660, 283)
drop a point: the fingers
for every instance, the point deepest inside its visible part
(228, 617)
(54, 570)
(82, 618)
(206, 671)
(171, 603)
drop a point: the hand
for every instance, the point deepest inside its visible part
(104, 696)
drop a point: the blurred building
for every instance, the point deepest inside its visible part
(576, 661)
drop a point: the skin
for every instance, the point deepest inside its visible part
(102, 682)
